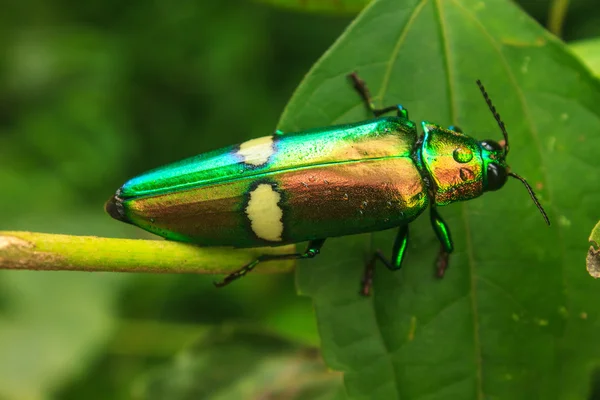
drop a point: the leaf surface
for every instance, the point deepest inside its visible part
(589, 52)
(516, 311)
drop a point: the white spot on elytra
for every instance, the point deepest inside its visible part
(264, 213)
(257, 151)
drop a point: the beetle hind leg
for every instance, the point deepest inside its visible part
(313, 248)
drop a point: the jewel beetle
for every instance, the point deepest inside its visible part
(319, 183)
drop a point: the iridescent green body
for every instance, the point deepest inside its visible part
(314, 184)
(332, 181)
(363, 174)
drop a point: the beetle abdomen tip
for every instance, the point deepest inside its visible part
(114, 208)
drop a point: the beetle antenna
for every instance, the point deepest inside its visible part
(533, 197)
(496, 115)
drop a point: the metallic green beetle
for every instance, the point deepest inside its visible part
(319, 183)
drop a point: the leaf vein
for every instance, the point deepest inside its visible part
(396, 50)
(469, 244)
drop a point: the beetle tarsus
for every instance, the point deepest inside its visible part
(443, 260)
(361, 87)
(237, 274)
(367, 279)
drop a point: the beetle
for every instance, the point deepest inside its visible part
(319, 183)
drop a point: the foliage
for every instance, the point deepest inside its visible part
(92, 93)
(239, 363)
(514, 297)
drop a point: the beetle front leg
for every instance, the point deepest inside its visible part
(446, 246)
(394, 264)
(313, 248)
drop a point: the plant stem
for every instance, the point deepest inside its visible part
(556, 16)
(51, 252)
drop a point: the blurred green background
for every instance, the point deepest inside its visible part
(93, 93)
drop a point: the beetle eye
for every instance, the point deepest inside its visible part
(496, 177)
(491, 145)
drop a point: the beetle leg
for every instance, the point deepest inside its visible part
(313, 248)
(363, 91)
(394, 264)
(446, 247)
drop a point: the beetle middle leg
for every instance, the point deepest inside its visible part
(446, 247)
(394, 264)
(313, 248)
(363, 91)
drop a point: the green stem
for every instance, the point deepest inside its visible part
(50, 252)
(556, 16)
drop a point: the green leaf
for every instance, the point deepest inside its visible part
(239, 363)
(515, 314)
(589, 52)
(593, 255)
(321, 6)
(46, 338)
